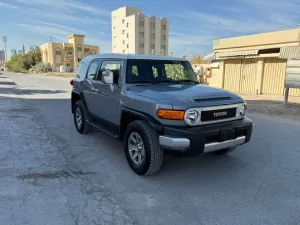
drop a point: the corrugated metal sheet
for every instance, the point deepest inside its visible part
(209, 56)
(274, 76)
(290, 52)
(232, 75)
(236, 53)
(294, 92)
(292, 78)
(248, 76)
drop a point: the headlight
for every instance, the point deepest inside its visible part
(243, 110)
(191, 116)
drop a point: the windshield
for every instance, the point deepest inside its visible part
(156, 71)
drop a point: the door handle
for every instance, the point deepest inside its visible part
(94, 89)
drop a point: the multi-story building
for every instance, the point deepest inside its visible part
(135, 33)
(67, 54)
(2, 55)
(13, 52)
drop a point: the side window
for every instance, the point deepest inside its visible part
(114, 66)
(92, 72)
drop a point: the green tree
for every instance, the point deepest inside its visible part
(16, 64)
(22, 63)
(33, 56)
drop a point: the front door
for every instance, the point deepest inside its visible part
(108, 105)
(90, 87)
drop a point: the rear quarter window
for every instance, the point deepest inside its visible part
(81, 70)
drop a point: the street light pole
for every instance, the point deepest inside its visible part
(4, 38)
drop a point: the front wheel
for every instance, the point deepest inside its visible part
(143, 152)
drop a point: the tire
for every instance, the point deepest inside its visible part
(224, 151)
(153, 153)
(84, 127)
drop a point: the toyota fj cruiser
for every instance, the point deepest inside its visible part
(154, 103)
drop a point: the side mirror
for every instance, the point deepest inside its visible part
(108, 77)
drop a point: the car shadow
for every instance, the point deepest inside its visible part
(7, 83)
(18, 91)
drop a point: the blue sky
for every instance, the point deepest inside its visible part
(194, 24)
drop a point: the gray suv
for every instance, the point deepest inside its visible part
(154, 103)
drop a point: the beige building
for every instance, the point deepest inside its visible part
(67, 54)
(251, 64)
(136, 33)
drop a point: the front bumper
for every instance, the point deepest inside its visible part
(207, 138)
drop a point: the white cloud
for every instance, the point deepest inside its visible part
(65, 5)
(63, 27)
(9, 6)
(57, 33)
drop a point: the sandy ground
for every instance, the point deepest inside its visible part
(273, 105)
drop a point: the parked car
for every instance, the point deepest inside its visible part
(154, 103)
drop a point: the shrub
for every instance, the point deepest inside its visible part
(41, 68)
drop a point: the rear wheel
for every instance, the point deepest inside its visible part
(80, 115)
(224, 151)
(143, 152)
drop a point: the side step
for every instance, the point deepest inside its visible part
(103, 129)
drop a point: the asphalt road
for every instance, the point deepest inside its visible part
(50, 174)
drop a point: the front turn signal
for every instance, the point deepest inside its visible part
(170, 114)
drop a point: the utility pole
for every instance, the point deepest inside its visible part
(4, 38)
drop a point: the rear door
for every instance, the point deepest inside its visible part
(90, 87)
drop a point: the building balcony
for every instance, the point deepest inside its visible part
(68, 56)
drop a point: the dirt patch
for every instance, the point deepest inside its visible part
(273, 106)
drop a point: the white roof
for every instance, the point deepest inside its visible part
(132, 56)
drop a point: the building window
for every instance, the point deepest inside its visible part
(127, 24)
(153, 25)
(123, 31)
(123, 21)
(141, 23)
(153, 36)
(58, 52)
(79, 49)
(163, 47)
(127, 35)
(141, 45)
(79, 59)
(68, 64)
(127, 45)
(152, 46)
(123, 42)
(123, 51)
(163, 27)
(141, 34)
(164, 37)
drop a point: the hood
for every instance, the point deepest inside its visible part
(188, 93)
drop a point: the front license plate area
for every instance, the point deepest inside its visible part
(228, 134)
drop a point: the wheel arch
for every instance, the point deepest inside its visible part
(129, 115)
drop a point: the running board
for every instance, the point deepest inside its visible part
(103, 129)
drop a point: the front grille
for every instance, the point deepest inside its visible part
(220, 114)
